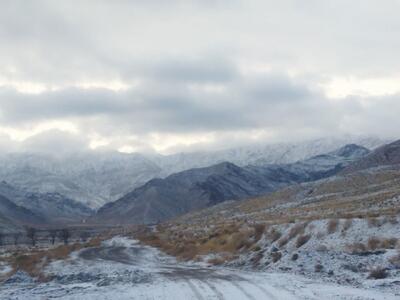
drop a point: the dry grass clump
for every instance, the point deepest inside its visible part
(257, 258)
(225, 239)
(392, 220)
(293, 232)
(220, 260)
(347, 224)
(374, 222)
(375, 243)
(276, 256)
(302, 240)
(356, 248)
(318, 268)
(274, 235)
(33, 263)
(322, 248)
(332, 226)
(378, 273)
(259, 230)
(395, 260)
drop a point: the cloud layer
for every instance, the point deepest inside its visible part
(190, 74)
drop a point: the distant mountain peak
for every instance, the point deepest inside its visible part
(383, 156)
(351, 150)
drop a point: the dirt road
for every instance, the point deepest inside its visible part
(124, 269)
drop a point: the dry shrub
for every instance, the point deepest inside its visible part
(389, 243)
(273, 235)
(220, 260)
(347, 224)
(276, 256)
(374, 222)
(395, 260)
(283, 241)
(373, 243)
(332, 226)
(302, 239)
(293, 232)
(34, 262)
(322, 248)
(378, 273)
(318, 268)
(356, 248)
(296, 230)
(257, 258)
(259, 230)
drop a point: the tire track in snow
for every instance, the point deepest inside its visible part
(240, 288)
(261, 288)
(217, 293)
(194, 289)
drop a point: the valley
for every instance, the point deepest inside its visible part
(328, 224)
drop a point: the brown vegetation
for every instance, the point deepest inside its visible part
(34, 262)
(302, 240)
(378, 273)
(332, 226)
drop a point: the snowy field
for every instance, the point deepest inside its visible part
(123, 269)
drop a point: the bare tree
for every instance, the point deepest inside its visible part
(65, 235)
(84, 235)
(16, 237)
(31, 234)
(53, 235)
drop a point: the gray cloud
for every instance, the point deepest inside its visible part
(56, 142)
(201, 66)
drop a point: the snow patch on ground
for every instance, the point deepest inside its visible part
(122, 268)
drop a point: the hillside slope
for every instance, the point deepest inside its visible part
(386, 155)
(345, 229)
(13, 215)
(51, 207)
(162, 199)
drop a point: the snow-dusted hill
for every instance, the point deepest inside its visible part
(96, 178)
(259, 155)
(193, 189)
(91, 178)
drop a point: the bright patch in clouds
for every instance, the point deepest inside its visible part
(21, 134)
(196, 74)
(341, 87)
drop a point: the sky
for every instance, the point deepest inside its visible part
(171, 76)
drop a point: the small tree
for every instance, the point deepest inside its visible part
(31, 234)
(16, 237)
(65, 235)
(84, 235)
(53, 235)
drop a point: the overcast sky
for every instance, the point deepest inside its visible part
(173, 75)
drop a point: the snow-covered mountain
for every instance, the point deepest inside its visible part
(95, 178)
(91, 178)
(259, 155)
(162, 199)
(50, 207)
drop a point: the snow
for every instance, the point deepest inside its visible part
(4, 269)
(124, 269)
(95, 178)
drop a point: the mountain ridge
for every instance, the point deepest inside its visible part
(161, 199)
